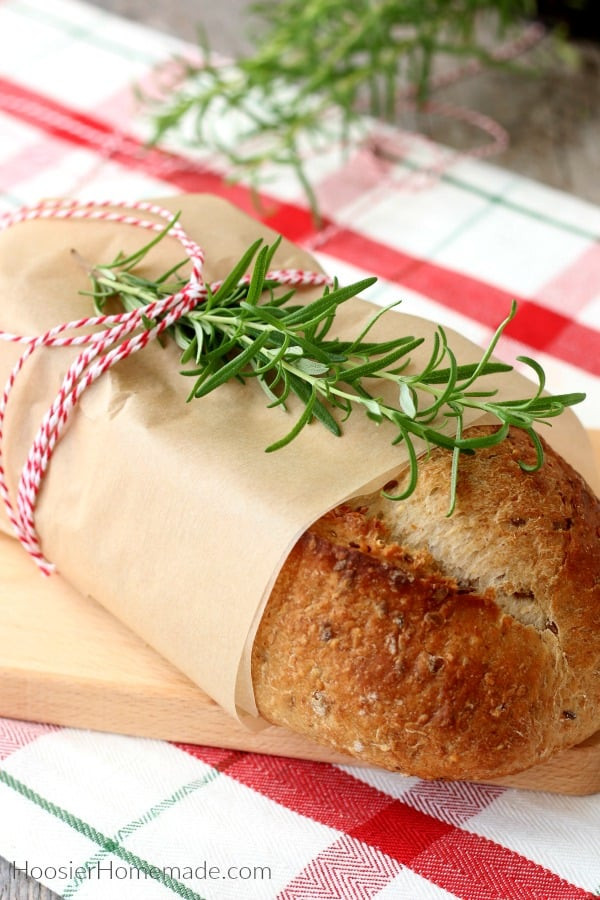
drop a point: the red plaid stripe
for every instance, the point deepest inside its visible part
(575, 286)
(81, 129)
(15, 734)
(451, 801)
(536, 325)
(347, 868)
(463, 863)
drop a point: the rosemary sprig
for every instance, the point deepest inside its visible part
(247, 331)
(316, 67)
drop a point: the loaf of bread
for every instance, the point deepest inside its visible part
(461, 647)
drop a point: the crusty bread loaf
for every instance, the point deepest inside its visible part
(457, 647)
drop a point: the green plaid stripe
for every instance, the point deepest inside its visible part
(112, 845)
(524, 210)
(10, 200)
(133, 826)
(467, 224)
(503, 200)
(81, 33)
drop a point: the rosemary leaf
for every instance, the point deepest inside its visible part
(243, 331)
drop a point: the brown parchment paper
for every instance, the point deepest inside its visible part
(170, 513)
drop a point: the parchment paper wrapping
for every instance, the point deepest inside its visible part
(170, 513)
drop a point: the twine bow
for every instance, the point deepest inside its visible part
(120, 336)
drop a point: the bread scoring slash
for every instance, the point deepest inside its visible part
(463, 647)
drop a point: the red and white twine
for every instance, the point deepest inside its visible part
(119, 336)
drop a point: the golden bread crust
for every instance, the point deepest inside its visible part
(462, 647)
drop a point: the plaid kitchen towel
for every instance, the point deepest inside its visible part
(105, 816)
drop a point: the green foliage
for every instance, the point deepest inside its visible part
(316, 67)
(246, 331)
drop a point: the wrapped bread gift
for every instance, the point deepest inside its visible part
(288, 585)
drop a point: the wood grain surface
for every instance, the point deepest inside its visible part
(64, 659)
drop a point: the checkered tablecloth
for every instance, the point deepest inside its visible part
(88, 813)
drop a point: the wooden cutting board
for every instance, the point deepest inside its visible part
(64, 659)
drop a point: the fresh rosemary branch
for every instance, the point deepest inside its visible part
(247, 331)
(316, 68)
